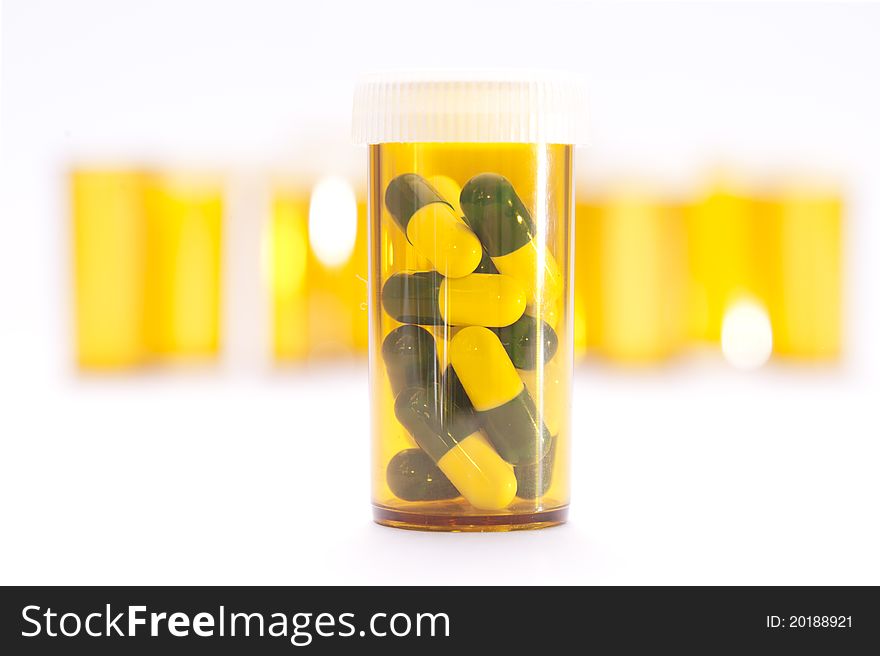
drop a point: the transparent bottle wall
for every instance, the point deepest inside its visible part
(471, 339)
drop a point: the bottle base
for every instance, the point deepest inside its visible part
(469, 523)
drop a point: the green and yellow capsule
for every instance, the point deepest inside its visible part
(413, 476)
(496, 214)
(451, 193)
(454, 393)
(533, 480)
(410, 356)
(452, 439)
(432, 226)
(449, 190)
(528, 342)
(429, 299)
(503, 405)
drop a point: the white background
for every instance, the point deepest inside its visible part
(692, 473)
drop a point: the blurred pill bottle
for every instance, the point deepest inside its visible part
(287, 253)
(108, 244)
(725, 238)
(184, 228)
(804, 222)
(318, 268)
(470, 292)
(632, 251)
(632, 274)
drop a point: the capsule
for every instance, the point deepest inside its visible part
(533, 480)
(432, 226)
(527, 342)
(429, 299)
(503, 405)
(452, 439)
(448, 190)
(453, 391)
(413, 476)
(410, 356)
(496, 214)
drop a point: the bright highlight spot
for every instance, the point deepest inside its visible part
(332, 221)
(746, 335)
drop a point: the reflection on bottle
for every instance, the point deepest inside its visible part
(746, 335)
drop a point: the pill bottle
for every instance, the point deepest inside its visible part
(184, 229)
(318, 268)
(470, 202)
(108, 235)
(804, 219)
(631, 274)
(723, 232)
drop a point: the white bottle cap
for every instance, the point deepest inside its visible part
(469, 107)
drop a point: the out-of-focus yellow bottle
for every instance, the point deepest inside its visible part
(184, 233)
(318, 243)
(337, 288)
(631, 268)
(804, 221)
(725, 242)
(288, 244)
(108, 254)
